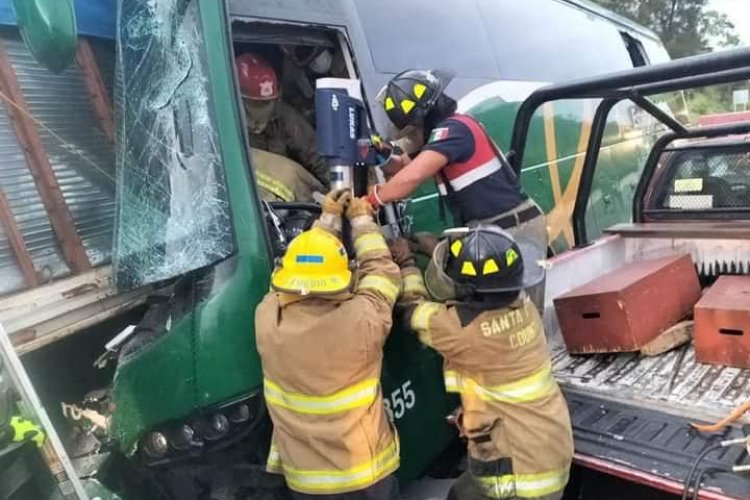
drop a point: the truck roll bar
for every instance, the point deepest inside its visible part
(634, 85)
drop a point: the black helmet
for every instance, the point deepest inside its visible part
(486, 259)
(410, 95)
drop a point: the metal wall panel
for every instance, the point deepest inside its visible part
(81, 156)
(20, 190)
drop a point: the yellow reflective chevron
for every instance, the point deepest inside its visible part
(273, 186)
(337, 481)
(380, 284)
(527, 389)
(407, 105)
(414, 284)
(523, 485)
(490, 267)
(361, 394)
(456, 248)
(468, 269)
(389, 104)
(369, 242)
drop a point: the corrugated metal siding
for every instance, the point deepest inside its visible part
(82, 158)
(10, 273)
(28, 210)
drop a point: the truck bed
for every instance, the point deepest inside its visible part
(684, 388)
(631, 413)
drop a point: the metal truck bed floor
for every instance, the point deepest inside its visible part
(652, 447)
(700, 391)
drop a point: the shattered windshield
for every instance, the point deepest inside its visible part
(172, 203)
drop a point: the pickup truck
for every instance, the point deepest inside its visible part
(631, 413)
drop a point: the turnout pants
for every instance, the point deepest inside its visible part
(385, 489)
(465, 488)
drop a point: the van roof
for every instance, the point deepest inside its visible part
(612, 16)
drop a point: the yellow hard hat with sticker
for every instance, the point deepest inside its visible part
(315, 263)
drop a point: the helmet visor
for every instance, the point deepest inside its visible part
(439, 284)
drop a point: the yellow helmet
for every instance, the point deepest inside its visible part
(314, 263)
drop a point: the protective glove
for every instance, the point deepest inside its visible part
(359, 207)
(423, 242)
(334, 205)
(401, 252)
(335, 202)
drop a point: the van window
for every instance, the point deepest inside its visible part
(635, 49)
(654, 50)
(426, 34)
(543, 40)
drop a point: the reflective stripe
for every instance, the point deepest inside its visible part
(413, 283)
(380, 284)
(420, 320)
(525, 390)
(369, 242)
(361, 394)
(472, 176)
(273, 464)
(272, 185)
(354, 478)
(523, 485)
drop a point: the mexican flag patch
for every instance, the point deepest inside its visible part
(439, 134)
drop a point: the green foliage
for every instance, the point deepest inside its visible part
(686, 27)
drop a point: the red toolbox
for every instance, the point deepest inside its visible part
(627, 308)
(722, 323)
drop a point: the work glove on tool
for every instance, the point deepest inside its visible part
(401, 252)
(334, 205)
(359, 209)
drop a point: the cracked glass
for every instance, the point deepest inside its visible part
(173, 211)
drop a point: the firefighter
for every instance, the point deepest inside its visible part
(273, 125)
(473, 177)
(514, 416)
(320, 334)
(283, 179)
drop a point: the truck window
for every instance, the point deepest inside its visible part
(544, 40)
(426, 34)
(704, 179)
(628, 136)
(172, 207)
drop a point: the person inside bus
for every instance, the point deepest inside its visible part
(514, 415)
(274, 125)
(473, 177)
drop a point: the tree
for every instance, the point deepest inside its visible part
(686, 27)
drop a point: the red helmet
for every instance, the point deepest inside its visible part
(257, 78)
